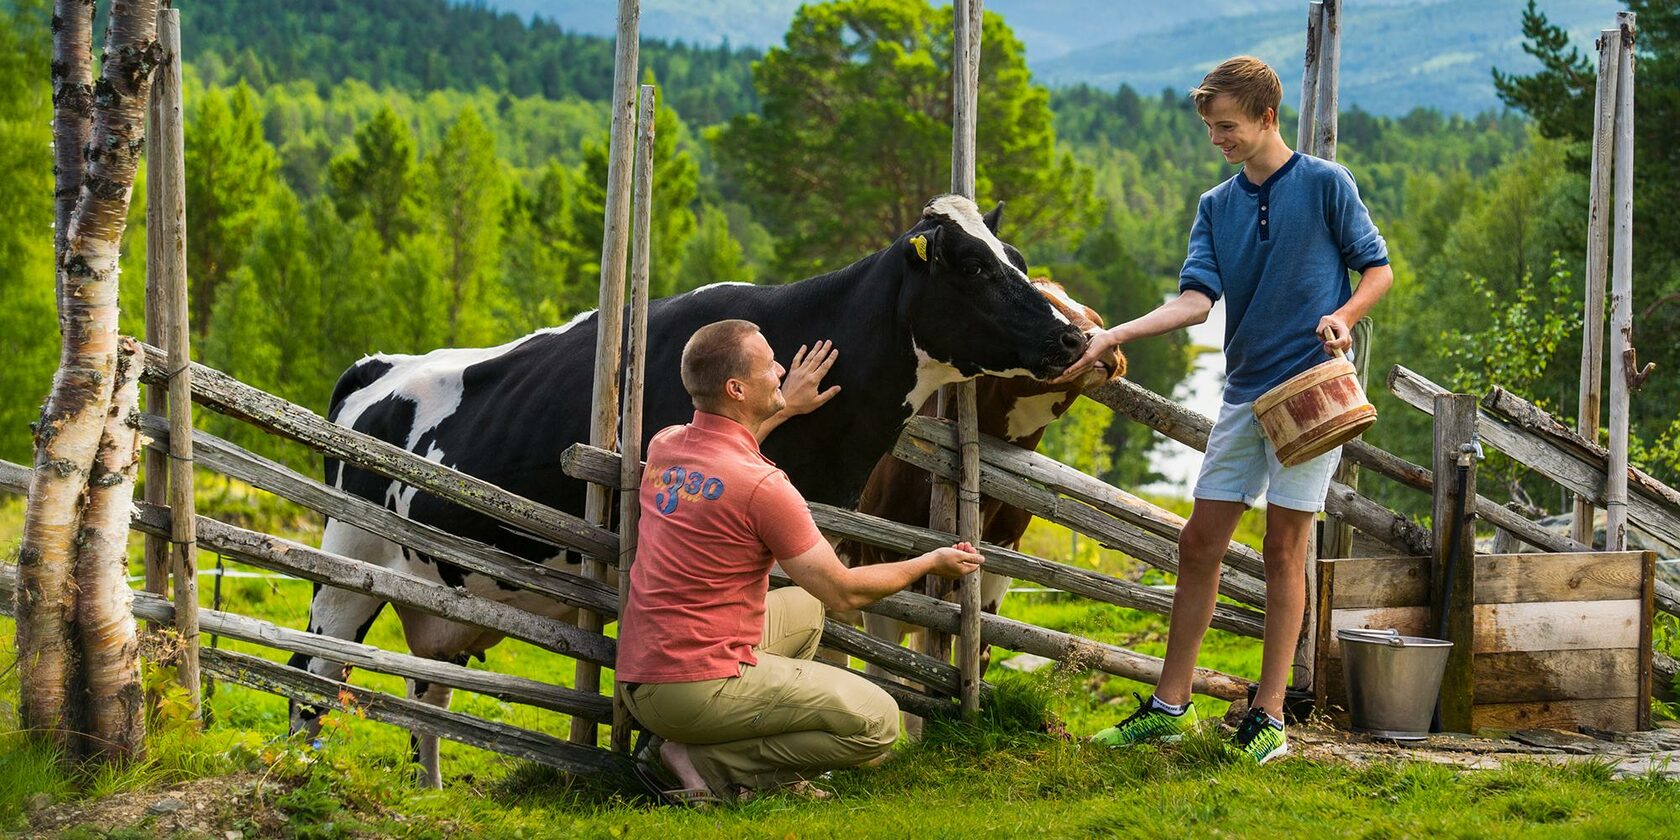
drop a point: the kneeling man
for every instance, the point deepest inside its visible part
(708, 658)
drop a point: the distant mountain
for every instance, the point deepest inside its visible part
(1397, 54)
(1049, 28)
(1394, 58)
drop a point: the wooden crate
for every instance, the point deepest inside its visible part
(1559, 640)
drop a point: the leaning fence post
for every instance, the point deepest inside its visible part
(169, 194)
(1621, 297)
(1598, 259)
(968, 16)
(1309, 79)
(1329, 74)
(156, 557)
(630, 447)
(609, 318)
(1453, 589)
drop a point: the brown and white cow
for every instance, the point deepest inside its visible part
(1017, 409)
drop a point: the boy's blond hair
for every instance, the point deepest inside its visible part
(1248, 80)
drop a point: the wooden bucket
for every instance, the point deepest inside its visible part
(1315, 412)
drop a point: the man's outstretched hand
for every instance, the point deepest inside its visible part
(801, 387)
(955, 561)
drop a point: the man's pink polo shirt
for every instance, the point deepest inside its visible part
(715, 514)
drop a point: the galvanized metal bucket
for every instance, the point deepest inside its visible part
(1392, 681)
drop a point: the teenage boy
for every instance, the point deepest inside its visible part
(1276, 241)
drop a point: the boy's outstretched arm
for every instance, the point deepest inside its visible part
(1337, 328)
(1190, 307)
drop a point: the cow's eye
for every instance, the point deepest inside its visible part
(973, 269)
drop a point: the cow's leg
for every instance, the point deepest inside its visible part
(446, 641)
(893, 631)
(424, 745)
(339, 613)
(992, 589)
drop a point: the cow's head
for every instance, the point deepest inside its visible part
(969, 304)
(1109, 365)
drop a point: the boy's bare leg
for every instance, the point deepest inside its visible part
(1201, 550)
(1286, 596)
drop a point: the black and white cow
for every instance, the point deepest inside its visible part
(946, 302)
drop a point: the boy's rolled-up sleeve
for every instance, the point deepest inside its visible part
(1201, 264)
(1361, 243)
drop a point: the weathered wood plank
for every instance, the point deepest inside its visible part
(896, 659)
(1109, 531)
(591, 464)
(1366, 582)
(281, 555)
(413, 715)
(1590, 402)
(282, 481)
(1453, 569)
(1408, 474)
(909, 699)
(1559, 625)
(1191, 429)
(1534, 676)
(1077, 652)
(1543, 456)
(1518, 578)
(1613, 714)
(223, 393)
(1061, 478)
(234, 626)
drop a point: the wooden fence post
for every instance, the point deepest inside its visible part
(629, 508)
(1309, 79)
(1455, 534)
(1329, 76)
(965, 100)
(1621, 296)
(168, 194)
(609, 318)
(156, 557)
(1598, 257)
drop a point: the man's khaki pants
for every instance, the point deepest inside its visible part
(785, 719)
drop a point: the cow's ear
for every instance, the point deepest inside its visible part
(991, 219)
(922, 247)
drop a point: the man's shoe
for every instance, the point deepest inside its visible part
(1259, 739)
(1148, 723)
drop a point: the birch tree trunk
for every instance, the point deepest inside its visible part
(68, 433)
(72, 86)
(115, 726)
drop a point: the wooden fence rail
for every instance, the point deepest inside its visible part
(1191, 429)
(595, 464)
(1543, 453)
(304, 687)
(234, 626)
(230, 460)
(229, 396)
(925, 445)
(276, 554)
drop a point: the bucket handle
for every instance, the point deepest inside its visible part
(1390, 636)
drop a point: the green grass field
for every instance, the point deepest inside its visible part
(1005, 776)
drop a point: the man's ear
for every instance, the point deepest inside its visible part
(734, 389)
(923, 247)
(991, 219)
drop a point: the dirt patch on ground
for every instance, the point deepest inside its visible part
(224, 807)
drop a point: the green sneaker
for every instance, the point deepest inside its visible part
(1259, 738)
(1147, 724)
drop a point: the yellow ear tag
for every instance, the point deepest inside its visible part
(921, 246)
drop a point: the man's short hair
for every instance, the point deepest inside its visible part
(712, 357)
(1248, 80)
